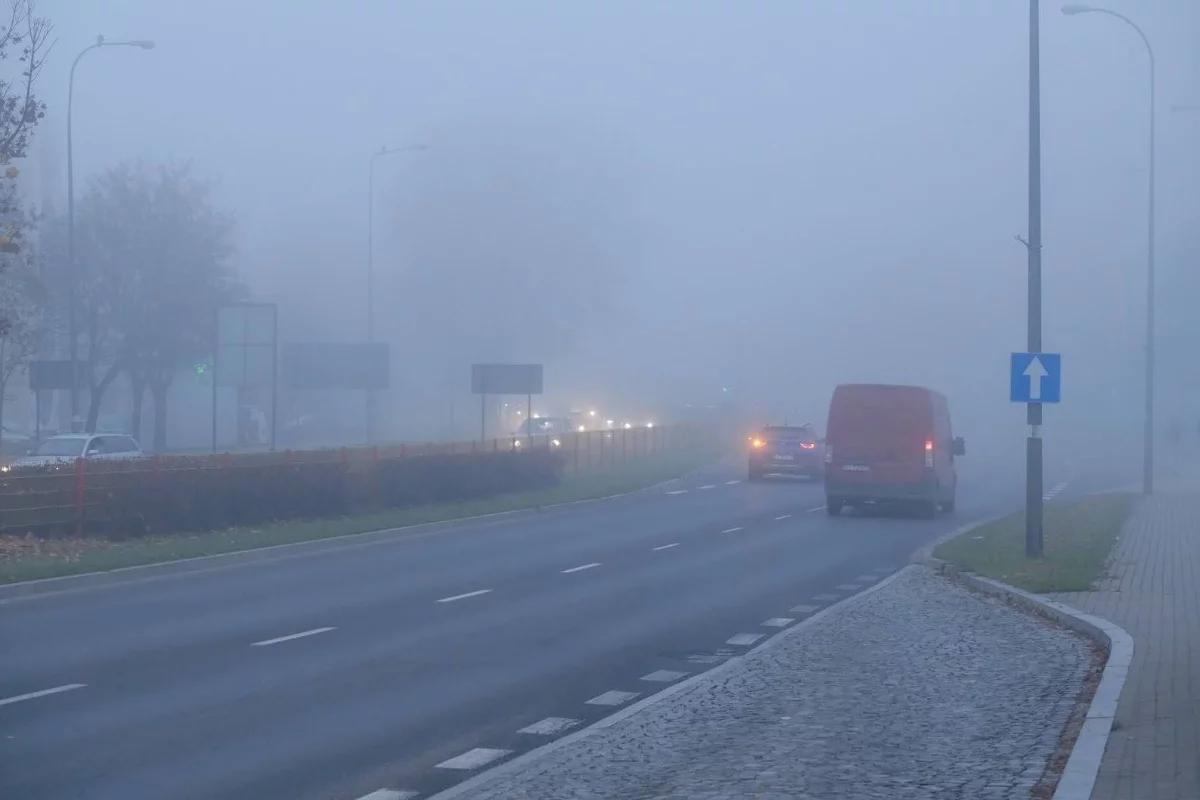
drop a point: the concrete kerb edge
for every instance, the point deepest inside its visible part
(1083, 764)
(690, 684)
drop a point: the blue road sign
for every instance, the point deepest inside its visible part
(1035, 378)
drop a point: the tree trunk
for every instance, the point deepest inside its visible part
(137, 385)
(97, 395)
(159, 390)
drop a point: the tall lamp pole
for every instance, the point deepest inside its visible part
(1148, 443)
(382, 151)
(1033, 247)
(72, 278)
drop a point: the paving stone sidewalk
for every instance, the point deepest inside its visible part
(918, 690)
(1153, 592)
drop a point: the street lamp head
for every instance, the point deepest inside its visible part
(1070, 9)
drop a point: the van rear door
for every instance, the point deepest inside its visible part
(878, 435)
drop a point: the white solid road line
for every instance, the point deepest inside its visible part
(291, 636)
(550, 726)
(744, 639)
(66, 687)
(782, 516)
(732, 530)
(581, 568)
(389, 794)
(815, 510)
(777, 622)
(678, 491)
(463, 596)
(731, 483)
(474, 759)
(612, 698)
(666, 546)
(664, 676)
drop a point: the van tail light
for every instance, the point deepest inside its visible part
(828, 454)
(929, 453)
(808, 445)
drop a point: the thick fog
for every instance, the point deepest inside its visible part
(670, 202)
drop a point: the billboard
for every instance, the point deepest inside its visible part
(245, 344)
(336, 365)
(506, 378)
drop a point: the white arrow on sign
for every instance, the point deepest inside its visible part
(1035, 372)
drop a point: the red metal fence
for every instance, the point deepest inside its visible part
(80, 495)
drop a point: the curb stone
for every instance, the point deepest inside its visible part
(1079, 775)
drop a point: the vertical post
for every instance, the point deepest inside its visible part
(575, 453)
(1148, 453)
(216, 370)
(37, 417)
(482, 417)
(369, 411)
(79, 494)
(274, 371)
(624, 445)
(1033, 443)
(529, 417)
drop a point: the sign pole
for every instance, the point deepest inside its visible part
(1033, 444)
(529, 417)
(482, 418)
(215, 372)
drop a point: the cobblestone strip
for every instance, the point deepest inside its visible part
(918, 689)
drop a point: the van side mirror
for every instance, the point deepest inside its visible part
(960, 446)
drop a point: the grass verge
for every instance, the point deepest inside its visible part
(25, 558)
(1079, 536)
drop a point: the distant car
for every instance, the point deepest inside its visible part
(787, 450)
(552, 428)
(70, 446)
(890, 443)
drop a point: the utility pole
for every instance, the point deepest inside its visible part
(1033, 247)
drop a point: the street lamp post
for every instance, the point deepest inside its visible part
(72, 331)
(1148, 444)
(382, 151)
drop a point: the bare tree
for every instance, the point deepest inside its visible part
(22, 299)
(27, 36)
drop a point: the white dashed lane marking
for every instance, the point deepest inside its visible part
(803, 609)
(550, 726)
(612, 698)
(452, 598)
(474, 759)
(782, 516)
(581, 568)
(67, 687)
(708, 486)
(666, 546)
(815, 510)
(777, 622)
(291, 636)
(732, 530)
(731, 483)
(389, 794)
(744, 639)
(678, 491)
(664, 676)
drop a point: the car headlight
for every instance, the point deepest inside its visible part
(556, 442)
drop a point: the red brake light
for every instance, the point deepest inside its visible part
(808, 445)
(929, 445)
(929, 453)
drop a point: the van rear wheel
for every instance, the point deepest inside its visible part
(833, 506)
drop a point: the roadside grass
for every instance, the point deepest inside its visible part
(25, 558)
(1079, 535)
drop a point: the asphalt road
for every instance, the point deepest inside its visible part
(338, 669)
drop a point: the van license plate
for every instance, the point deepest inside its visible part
(856, 468)
(785, 458)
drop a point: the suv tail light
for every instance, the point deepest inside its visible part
(808, 445)
(929, 453)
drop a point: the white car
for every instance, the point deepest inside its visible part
(69, 446)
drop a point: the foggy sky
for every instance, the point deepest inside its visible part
(785, 195)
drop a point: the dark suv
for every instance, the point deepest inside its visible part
(786, 450)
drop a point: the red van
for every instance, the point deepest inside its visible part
(890, 443)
